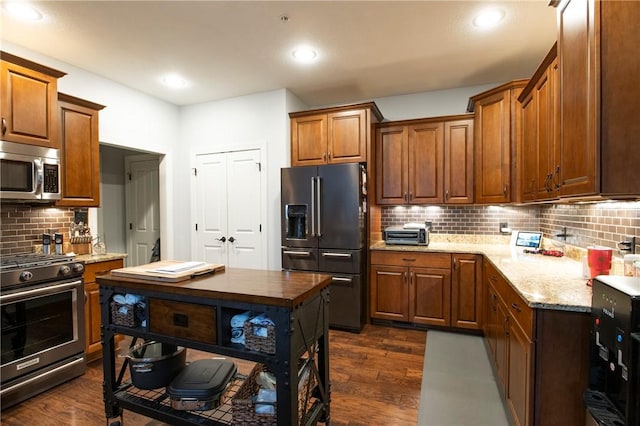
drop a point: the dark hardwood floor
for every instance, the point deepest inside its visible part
(375, 380)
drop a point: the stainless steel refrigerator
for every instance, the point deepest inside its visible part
(323, 230)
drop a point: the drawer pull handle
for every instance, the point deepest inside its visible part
(98, 273)
(180, 320)
(342, 279)
(297, 253)
(336, 254)
(516, 307)
(406, 259)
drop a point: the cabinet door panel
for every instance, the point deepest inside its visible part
(493, 153)
(577, 53)
(426, 163)
(431, 296)
(458, 169)
(389, 293)
(530, 170)
(92, 319)
(347, 137)
(391, 165)
(28, 106)
(519, 376)
(501, 343)
(466, 299)
(309, 140)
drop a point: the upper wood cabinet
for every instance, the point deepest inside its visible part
(497, 119)
(598, 62)
(333, 135)
(28, 108)
(538, 151)
(80, 152)
(425, 161)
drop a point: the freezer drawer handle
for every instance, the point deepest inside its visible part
(341, 279)
(297, 253)
(336, 255)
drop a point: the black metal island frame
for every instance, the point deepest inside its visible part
(196, 313)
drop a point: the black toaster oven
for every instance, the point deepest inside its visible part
(406, 236)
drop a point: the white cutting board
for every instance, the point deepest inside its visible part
(168, 270)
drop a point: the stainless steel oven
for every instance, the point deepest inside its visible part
(42, 316)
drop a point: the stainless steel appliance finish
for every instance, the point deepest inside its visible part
(29, 173)
(615, 352)
(323, 229)
(42, 314)
(406, 236)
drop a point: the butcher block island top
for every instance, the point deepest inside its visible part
(274, 288)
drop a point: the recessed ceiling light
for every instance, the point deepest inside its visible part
(22, 11)
(174, 81)
(488, 18)
(304, 54)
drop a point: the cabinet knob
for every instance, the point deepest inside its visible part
(446, 194)
(505, 189)
(4, 126)
(556, 178)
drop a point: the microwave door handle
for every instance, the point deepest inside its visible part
(39, 177)
(313, 207)
(319, 207)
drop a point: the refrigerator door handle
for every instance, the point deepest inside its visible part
(297, 253)
(341, 279)
(318, 191)
(313, 207)
(336, 254)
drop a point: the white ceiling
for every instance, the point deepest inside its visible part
(367, 49)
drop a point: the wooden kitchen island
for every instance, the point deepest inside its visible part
(196, 314)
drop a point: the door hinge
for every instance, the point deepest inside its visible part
(195, 171)
(131, 226)
(260, 228)
(196, 226)
(129, 174)
(259, 166)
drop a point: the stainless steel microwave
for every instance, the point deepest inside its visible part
(29, 173)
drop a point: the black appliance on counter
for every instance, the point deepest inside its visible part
(42, 314)
(323, 230)
(613, 397)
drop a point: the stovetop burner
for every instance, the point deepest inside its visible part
(36, 268)
(30, 260)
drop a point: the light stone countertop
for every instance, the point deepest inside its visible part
(544, 282)
(95, 258)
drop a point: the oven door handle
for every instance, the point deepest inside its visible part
(40, 291)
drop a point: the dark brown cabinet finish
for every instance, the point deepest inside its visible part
(80, 152)
(427, 161)
(597, 50)
(333, 135)
(427, 288)
(540, 356)
(497, 121)
(539, 146)
(93, 345)
(28, 108)
(411, 287)
(466, 295)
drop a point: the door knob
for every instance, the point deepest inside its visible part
(231, 239)
(222, 240)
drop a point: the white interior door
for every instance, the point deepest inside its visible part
(211, 208)
(142, 209)
(229, 208)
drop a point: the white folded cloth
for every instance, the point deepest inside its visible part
(132, 299)
(237, 335)
(239, 319)
(259, 325)
(119, 298)
(265, 395)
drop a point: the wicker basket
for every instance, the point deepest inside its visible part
(132, 317)
(258, 343)
(243, 406)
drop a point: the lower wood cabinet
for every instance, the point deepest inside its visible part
(426, 288)
(93, 340)
(540, 356)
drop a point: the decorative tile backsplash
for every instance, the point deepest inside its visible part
(603, 224)
(22, 226)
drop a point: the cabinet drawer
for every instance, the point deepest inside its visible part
(411, 258)
(496, 280)
(92, 270)
(183, 320)
(520, 312)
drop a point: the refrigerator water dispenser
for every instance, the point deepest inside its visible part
(296, 217)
